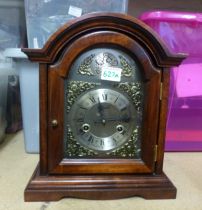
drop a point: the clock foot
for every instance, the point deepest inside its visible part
(99, 187)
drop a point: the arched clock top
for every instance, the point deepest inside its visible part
(108, 22)
(111, 40)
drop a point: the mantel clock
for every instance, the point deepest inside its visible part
(104, 82)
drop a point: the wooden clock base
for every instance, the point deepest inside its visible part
(100, 187)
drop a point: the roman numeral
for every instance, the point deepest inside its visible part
(92, 99)
(81, 132)
(123, 132)
(84, 108)
(90, 139)
(116, 99)
(102, 143)
(104, 96)
(123, 108)
(80, 120)
(114, 141)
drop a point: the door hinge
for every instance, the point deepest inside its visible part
(161, 91)
(155, 152)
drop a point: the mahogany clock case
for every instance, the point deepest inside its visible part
(108, 176)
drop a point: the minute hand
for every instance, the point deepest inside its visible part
(111, 119)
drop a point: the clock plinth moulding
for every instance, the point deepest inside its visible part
(98, 166)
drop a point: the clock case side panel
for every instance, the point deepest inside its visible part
(165, 85)
(55, 114)
(43, 115)
(59, 71)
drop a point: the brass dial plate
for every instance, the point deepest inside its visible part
(91, 135)
(102, 119)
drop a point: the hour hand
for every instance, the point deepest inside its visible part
(100, 109)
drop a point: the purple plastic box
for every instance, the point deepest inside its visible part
(182, 32)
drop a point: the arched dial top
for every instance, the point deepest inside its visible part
(91, 64)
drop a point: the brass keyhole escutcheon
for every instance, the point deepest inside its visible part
(54, 123)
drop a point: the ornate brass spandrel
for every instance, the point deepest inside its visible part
(85, 67)
(73, 149)
(103, 59)
(135, 91)
(74, 89)
(106, 58)
(132, 149)
(127, 69)
(92, 64)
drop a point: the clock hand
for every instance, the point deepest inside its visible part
(101, 112)
(123, 119)
(100, 108)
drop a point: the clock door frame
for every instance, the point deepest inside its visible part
(58, 72)
(156, 60)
